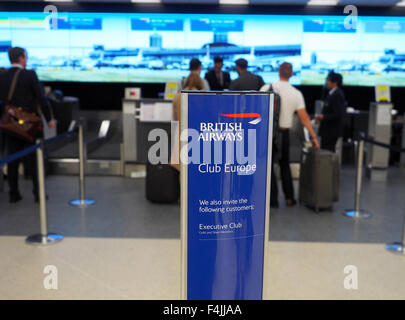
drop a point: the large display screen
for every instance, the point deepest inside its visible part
(131, 47)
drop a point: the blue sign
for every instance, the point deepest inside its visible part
(324, 25)
(225, 194)
(4, 46)
(217, 25)
(158, 24)
(385, 27)
(77, 23)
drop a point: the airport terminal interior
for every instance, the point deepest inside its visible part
(111, 72)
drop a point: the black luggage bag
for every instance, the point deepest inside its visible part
(162, 183)
(319, 179)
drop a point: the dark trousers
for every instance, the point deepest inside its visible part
(329, 143)
(30, 161)
(282, 156)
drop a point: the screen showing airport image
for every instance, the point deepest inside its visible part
(140, 47)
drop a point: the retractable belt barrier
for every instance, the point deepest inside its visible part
(43, 238)
(32, 148)
(396, 247)
(19, 154)
(381, 144)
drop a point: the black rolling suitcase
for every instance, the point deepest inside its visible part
(162, 183)
(319, 179)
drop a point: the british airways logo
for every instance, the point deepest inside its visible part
(257, 117)
(227, 131)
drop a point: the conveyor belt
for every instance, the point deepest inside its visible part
(103, 153)
(107, 150)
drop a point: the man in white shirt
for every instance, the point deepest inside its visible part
(291, 101)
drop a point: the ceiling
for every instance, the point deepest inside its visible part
(242, 2)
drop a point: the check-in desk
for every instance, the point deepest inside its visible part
(138, 122)
(356, 122)
(379, 129)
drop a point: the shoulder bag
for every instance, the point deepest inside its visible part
(18, 122)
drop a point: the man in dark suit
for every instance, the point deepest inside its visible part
(246, 80)
(28, 95)
(218, 79)
(333, 113)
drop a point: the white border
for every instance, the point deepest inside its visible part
(268, 187)
(183, 196)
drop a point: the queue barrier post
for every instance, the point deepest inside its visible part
(43, 238)
(398, 247)
(357, 212)
(82, 202)
(394, 247)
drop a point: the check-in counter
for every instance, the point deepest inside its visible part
(139, 118)
(379, 129)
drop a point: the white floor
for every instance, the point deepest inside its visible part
(111, 268)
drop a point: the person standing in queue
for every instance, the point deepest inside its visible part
(218, 79)
(246, 80)
(28, 95)
(195, 67)
(192, 82)
(291, 101)
(332, 118)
